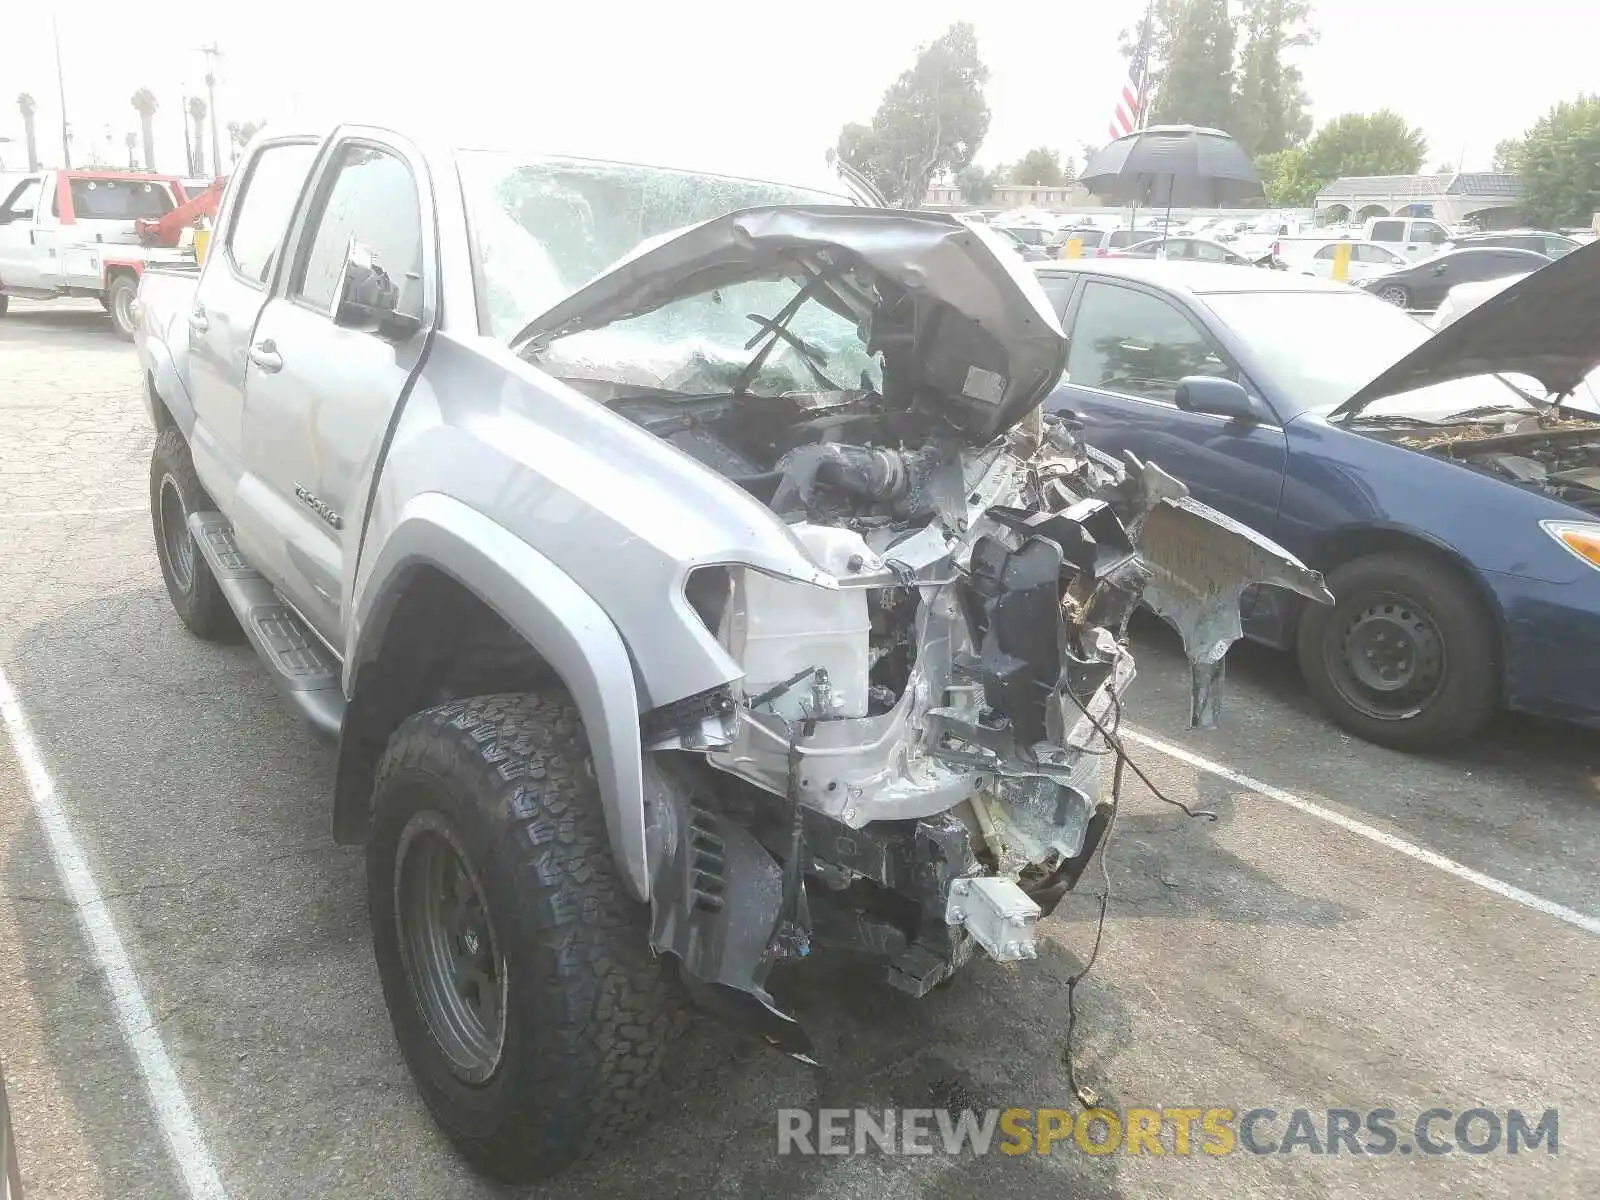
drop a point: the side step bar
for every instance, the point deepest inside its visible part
(306, 674)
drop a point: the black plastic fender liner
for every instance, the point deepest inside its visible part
(715, 906)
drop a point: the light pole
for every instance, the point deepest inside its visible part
(212, 53)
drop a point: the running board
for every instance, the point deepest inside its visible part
(305, 672)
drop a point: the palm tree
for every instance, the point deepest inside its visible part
(144, 103)
(233, 141)
(131, 139)
(197, 114)
(28, 108)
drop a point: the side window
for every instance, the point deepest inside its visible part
(1556, 247)
(1136, 344)
(1388, 231)
(1206, 252)
(261, 212)
(1058, 288)
(1326, 253)
(1428, 233)
(370, 206)
(1376, 255)
(23, 200)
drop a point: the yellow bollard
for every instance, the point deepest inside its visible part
(1073, 248)
(202, 243)
(1341, 262)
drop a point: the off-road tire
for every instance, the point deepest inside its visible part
(194, 594)
(1468, 694)
(118, 300)
(589, 1013)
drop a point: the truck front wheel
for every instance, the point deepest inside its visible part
(516, 970)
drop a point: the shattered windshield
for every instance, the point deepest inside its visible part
(545, 226)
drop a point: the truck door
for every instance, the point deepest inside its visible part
(19, 257)
(325, 374)
(239, 270)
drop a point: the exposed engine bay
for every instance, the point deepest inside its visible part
(909, 764)
(919, 751)
(1557, 456)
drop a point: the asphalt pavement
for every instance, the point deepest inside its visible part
(1357, 929)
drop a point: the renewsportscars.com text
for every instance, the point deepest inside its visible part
(1178, 1131)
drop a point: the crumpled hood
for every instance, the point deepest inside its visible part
(1547, 326)
(964, 327)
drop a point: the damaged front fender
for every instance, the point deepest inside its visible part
(1200, 562)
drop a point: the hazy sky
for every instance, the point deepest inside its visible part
(754, 88)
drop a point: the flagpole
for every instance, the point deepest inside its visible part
(1141, 99)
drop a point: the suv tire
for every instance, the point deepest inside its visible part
(175, 492)
(118, 302)
(1407, 656)
(565, 1017)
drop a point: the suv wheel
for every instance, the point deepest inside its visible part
(175, 492)
(516, 970)
(1407, 656)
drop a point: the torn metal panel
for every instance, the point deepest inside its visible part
(1200, 563)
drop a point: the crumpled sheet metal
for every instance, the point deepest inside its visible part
(1200, 563)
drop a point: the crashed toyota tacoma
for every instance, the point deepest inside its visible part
(687, 576)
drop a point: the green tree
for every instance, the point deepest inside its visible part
(1380, 143)
(1041, 167)
(1286, 178)
(1270, 99)
(930, 122)
(1559, 161)
(977, 185)
(1506, 154)
(1197, 71)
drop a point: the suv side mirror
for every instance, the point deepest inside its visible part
(1217, 397)
(369, 298)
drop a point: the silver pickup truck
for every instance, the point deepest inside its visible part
(686, 574)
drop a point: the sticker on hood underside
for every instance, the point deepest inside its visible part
(986, 386)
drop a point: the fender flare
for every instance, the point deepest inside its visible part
(557, 618)
(166, 387)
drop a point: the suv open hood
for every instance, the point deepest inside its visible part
(966, 332)
(1546, 326)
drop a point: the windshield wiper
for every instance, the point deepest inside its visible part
(774, 330)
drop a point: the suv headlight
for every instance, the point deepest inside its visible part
(1582, 538)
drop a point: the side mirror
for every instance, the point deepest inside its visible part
(369, 299)
(1439, 269)
(1217, 397)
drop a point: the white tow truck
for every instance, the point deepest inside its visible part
(93, 232)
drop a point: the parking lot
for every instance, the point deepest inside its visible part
(1357, 929)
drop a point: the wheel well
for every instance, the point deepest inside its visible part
(1347, 545)
(158, 407)
(439, 642)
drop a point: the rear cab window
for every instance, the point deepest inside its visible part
(117, 199)
(261, 211)
(1388, 231)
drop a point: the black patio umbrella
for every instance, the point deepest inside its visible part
(1166, 165)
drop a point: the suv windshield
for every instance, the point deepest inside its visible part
(545, 226)
(1323, 347)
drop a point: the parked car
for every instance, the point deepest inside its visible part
(76, 233)
(1465, 559)
(1029, 235)
(1098, 242)
(1029, 251)
(673, 587)
(1422, 286)
(1317, 257)
(1413, 238)
(1551, 245)
(1184, 249)
(1467, 296)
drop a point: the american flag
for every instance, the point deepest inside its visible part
(1126, 118)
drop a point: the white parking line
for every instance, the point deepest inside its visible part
(1448, 865)
(171, 1106)
(72, 512)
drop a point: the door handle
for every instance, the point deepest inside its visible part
(265, 355)
(198, 321)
